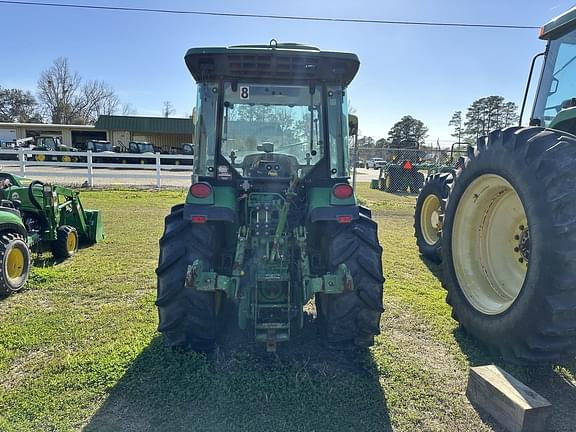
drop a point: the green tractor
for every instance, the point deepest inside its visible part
(508, 222)
(270, 221)
(38, 216)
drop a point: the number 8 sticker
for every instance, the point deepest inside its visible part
(244, 93)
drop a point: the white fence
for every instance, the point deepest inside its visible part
(156, 167)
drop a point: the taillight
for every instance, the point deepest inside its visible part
(200, 190)
(198, 219)
(407, 165)
(342, 191)
(344, 219)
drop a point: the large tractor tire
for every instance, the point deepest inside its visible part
(430, 207)
(352, 319)
(509, 245)
(15, 261)
(188, 318)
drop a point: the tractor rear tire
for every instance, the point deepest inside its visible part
(430, 207)
(187, 317)
(352, 319)
(15, 261)
(417, 182)
(509, 242)
(393, 179)
(66, 243)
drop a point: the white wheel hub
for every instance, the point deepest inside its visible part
(490, 244)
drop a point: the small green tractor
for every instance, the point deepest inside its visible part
(38, 216)
(270, 221)
(504, 224)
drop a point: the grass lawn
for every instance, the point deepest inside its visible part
(79, 349)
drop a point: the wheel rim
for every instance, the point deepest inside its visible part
(430, 219)
(490, 244)
(40, 158)
(15, 263)
(71, 241)
(66, 159)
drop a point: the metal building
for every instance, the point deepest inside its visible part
(165, 133)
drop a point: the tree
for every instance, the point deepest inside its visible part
(487, 114)
(407, 133)
(168, 109)
(65, 99)
(381, 143)
(18, 106)
(456, 121)
(366, 141)
(128, 110)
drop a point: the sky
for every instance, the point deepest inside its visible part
(426, 72)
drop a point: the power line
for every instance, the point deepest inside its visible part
(274, 17)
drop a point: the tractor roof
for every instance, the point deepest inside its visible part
(559, 25)
(286, 63)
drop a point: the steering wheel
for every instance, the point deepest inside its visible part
(31, 196)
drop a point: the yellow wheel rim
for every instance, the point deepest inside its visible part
(66, 159)
(15, 262)
(177, 162)
(72, 241)
(40, 158)
(430, 219)
(490, 244)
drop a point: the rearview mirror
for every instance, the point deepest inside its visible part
(266, 147)
(352, 125)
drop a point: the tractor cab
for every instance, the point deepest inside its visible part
(270, 221)
(555, 105)
(271, 112)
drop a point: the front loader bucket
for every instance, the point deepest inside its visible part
(94, 227)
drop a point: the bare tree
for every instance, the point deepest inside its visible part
(128, 110)
(168, 109)
(66, 99)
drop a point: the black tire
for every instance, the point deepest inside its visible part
(66, 243)
(539, 325)
(437, 185)
(13, 276)
(187, 317)
(417, 182)
(393, 180)
(352, 319)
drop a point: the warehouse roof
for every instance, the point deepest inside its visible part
(161, 125)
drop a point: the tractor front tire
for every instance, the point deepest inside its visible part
(430, 207)
(188, 318)
(66, 243)
(509, 242)
(352, 319)
(15, 261)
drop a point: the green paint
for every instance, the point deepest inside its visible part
(564, 120)
(223, 196)
(56, 205)
(559, 25)
(323, 197)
